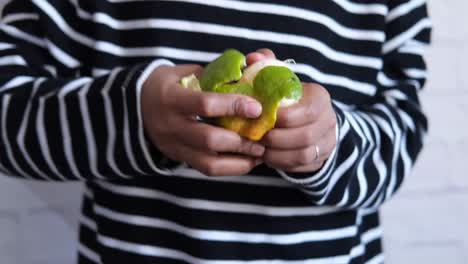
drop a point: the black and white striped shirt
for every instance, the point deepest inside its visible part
(71, 73)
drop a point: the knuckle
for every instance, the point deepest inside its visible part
(236, 107)
(205, 105)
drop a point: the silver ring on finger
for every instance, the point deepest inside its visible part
(317, 152)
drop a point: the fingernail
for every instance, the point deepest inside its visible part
(253, 109)
(258, 150)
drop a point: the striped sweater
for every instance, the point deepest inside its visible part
(71, 73)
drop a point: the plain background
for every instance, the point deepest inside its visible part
(425, 223)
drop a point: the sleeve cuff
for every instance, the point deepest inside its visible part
(155, 160)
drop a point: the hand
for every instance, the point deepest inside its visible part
(300, 129)
(169, 117)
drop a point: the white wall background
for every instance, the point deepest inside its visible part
(426, 223)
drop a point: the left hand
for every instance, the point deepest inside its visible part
(301, 129)
(304, 135)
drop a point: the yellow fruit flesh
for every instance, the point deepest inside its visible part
(253, 129)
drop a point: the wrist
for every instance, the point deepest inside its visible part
(144, 87)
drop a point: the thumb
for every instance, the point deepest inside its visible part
(209, 104)
(241, 105)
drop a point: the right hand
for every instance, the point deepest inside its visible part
(169, 117)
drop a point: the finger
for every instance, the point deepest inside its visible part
(215, 165)
(307, 110)
(293, 138)
(173, 74)
(261, 54)
(209, 104)
(311, 168)
(303, 136)
(313, 154)
(225, 165)
(214, 139)
(292, 158)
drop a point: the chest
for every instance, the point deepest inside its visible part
(335, 43)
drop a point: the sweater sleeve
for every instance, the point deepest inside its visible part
(378, 143)
(68, 127)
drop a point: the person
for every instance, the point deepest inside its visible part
(90, 92)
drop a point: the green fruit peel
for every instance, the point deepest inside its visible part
(270, 86)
